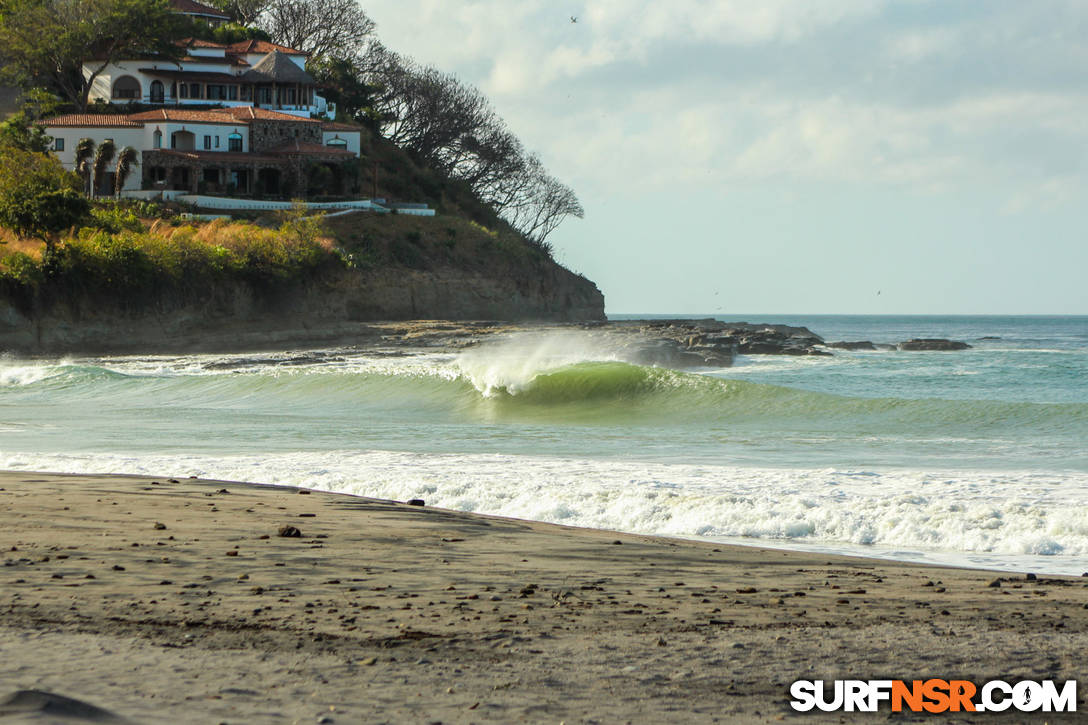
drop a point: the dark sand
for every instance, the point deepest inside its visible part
(178, 602)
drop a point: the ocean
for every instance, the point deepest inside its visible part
(975, 458)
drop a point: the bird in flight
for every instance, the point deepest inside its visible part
(573, 19)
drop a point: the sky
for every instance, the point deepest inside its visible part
(794, 156)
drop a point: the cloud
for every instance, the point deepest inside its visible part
(733, 22)
(647, 96)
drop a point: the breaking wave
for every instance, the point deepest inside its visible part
(579, 392)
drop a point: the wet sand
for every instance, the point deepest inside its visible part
(165, 600)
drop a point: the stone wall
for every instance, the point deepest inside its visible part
(265, 135)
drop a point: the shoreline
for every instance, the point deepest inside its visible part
(381, 611)
(981, 561)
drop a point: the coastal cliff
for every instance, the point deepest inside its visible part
(396, 269)
(332, 308)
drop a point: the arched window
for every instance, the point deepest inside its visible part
(234, 142)
(183, 141)
(127, 87)
(158, 92)
(337, 143)
(158, 138)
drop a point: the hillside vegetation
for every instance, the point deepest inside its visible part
(400, 177)
(73, 267)
(60, 49)
(123, 282)
(122, 261)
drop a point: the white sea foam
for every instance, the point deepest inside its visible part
(14, 373)
(973, 518)
(511, 363)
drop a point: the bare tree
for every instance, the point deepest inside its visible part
(334, 28)
(534, 202)
(491, 156)
(392, 76)
(452, 127)
(427, 112)
(512, 194)
(450, 114)
(553, 202)
(244, 12)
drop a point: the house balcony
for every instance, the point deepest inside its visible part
(320, 108)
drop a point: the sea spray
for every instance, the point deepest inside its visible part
(15, 372)
(512, 363)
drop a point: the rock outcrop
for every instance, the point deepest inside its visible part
(859, 345)
(709, 342)
(933, 343)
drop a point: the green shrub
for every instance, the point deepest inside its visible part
(21, 268)
(115, 218)
(38, 198)
(135, 267)
(408, 255)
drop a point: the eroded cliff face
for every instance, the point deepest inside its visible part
(333, 308)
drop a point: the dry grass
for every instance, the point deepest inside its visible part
(10, 243)
(133, 263)
(237, 236)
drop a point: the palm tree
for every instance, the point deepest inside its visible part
(126, 162)
(84, 154)
(102, 159)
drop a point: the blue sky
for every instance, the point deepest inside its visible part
(830, 156)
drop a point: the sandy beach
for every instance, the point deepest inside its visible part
(179, 600)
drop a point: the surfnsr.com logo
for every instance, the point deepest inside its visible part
(933, 696)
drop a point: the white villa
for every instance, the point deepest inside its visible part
(240, 150)
(252, 73)
(226, 119)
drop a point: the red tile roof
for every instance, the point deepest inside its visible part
(263, 114)
(224, 116)
(261, 46)
(92, 119)
(194, 8)
(334, 126)
(220, 116)
(198, 43)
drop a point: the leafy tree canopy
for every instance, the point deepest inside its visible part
(38, 198)
(47, 42)
(342, 82)
(21, 131)
(228, 33)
